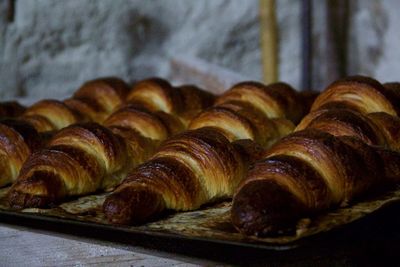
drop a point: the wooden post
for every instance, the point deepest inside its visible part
(269, 41)
(11, 10)
(338, 18)
(306, 45)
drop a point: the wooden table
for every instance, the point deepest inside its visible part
(21, 246)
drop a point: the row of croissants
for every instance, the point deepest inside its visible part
(158, 147)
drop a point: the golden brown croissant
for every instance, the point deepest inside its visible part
(87, 157)
(183, 102)
(379, 128)
(191, 169)
(251, 110)
(97, 99)
(360, 93)
(49, 115)
(25, 134)
(21, 136)
(304, 173)
(17, 140)
(277, 100)
(201, 165)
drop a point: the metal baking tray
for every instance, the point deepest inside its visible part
(343, 234)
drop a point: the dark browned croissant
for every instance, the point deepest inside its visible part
(202, 165)
(357, 106)
(340, 151)
(304, 173)
(87, 157)
(23, 135)
(10, 109)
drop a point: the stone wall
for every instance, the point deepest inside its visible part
(53, 46)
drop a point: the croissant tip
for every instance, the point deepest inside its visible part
(33, 192)
(19, 200)
(132, 206)
(114, 209)
(265, 209)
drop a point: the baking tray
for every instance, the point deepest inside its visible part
(344, 234)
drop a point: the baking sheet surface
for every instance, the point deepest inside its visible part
(211, 222)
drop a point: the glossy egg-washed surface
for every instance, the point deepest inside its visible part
(88, 157)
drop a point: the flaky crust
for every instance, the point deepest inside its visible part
(95, 100)
(78, 157)
(27, 133)
(360, 93)
(54, 112)
(189, 170)
(389, 126)
(183, 102)
(278, 100)
(17, 141)
(251, 110)
(304, 173)
(345, 147)
(345, 122)
(239, 120)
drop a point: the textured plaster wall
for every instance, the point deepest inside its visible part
(53, 46)
(375, 39)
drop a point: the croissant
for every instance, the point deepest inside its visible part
(307, 172)
(49, 115)
(251, 110)
(95, 100)
(360, 93)
(184, 101)
(19, 137)
(11, 109)
(87, 157)
(277, 100)
(29, 132)
(379, 128)
(343, 148)
(189, 170)
(207, 162)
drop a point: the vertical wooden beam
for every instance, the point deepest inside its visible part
(269, 41)
(337, 15)
(11, 10)
(306, 45)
